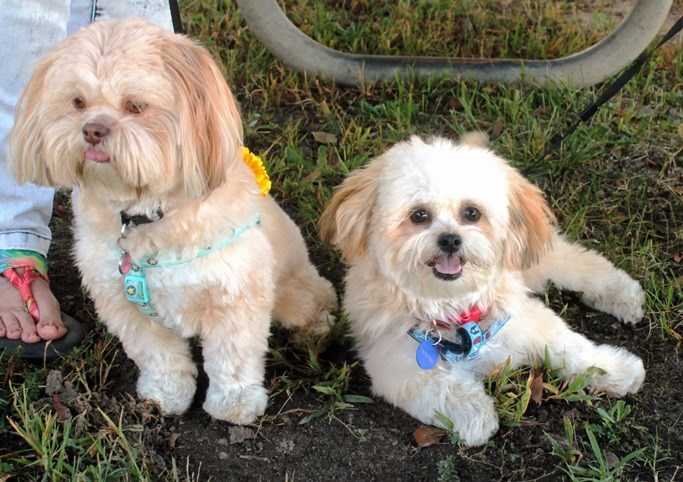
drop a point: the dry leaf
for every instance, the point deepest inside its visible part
(678, 258)
(497, 129)
(324, 137)
(426, 436)
(172, 440)
(536, 385)
(63, 413)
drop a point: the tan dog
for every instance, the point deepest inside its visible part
(142, 122)
(446, 241)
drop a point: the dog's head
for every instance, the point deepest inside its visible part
(128, 110)
(439, 216)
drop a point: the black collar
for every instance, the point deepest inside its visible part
(138, 219)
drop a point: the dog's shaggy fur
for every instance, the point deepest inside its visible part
(433, 229)
(137, 118)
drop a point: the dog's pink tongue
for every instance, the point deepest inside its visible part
(447, 265)
(95, 155)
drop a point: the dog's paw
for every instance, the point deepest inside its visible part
(238, 405)
(474, 420)
(623, 298)
(623, 371)
(174, 393)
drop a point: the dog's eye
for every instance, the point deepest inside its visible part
(420, 216)
(135, 107)
(472, 214)
(78, 103)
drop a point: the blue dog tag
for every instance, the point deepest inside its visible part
(427, 355)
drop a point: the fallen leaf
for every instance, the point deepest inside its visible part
(497, 129)
(678, 258)
(63, 413)
(426, 436)
(536, 385)
(172, 440)
(324, 137)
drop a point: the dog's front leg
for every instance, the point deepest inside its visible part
(452, 391)
(234, 351)
(167, 372)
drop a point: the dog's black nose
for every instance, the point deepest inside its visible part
(449, 243)
(94, 133)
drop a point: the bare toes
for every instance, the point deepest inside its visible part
(29, 334)
(11, 326)
(51, 330)
(50, 325)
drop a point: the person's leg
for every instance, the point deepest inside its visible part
(28, 29)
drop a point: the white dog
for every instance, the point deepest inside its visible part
(446, 241)
(143, 124)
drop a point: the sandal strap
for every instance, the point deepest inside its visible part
(22, 282)
(34, 264)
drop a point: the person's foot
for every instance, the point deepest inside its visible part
(16, 323)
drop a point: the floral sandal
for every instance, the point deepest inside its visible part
(35, 266)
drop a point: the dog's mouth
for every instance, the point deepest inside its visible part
(447, 268)
(96, 155)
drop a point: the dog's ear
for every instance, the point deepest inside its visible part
(212, 137)
(531, 223)
(27, 160)
(346, 221)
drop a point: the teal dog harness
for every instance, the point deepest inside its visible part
(134, 281)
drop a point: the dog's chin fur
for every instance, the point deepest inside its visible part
(173, 141)
(507, 247)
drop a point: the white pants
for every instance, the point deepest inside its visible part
(28, 30)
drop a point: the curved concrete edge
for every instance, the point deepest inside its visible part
(600, 61)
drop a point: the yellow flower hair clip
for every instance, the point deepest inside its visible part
(255, 163)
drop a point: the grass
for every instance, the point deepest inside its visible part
(615, 185)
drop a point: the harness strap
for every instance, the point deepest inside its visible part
(135, 282)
